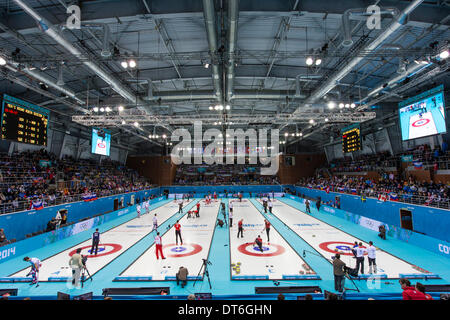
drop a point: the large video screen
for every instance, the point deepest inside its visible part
(24, 122)
(101, 141)
(423, 115)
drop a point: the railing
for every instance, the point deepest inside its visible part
(443, 203)
(25, 204)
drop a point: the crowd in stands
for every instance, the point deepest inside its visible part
(222, 175)
(438, 158)
(41, 176)
(364, 163)
(389, 186)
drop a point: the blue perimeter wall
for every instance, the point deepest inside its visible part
(433, 222)
(17, 225)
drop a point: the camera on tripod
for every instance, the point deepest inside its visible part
(351, 272)
(84, 260)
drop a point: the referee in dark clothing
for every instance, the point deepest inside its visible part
(95, 241)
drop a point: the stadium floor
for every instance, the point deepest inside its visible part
(136, 257)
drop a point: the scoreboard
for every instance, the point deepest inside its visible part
(24, 122)
(351, 139)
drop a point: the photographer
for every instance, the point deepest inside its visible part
(76, 263)
(339, 273)
(182, 276)
(382, 230)
(51, 225)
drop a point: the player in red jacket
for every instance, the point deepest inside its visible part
(158, 244)
(178, 232)
(421, 288)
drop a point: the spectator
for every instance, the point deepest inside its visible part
(420, 287)
(51, 225)
(182, 276)
(332, 296)
(308, 297)
(409, 292)
(24, 178)
(191, 297)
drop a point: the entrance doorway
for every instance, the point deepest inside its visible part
(406, 219)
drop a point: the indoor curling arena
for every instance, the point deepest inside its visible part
(224, 150)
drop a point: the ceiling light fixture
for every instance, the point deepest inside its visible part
(132, 63)
(444, 54)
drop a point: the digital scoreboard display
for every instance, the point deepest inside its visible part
(24, 122)
(351, 139)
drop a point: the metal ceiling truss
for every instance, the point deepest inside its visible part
(236, 119)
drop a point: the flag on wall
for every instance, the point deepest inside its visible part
(89, 197)
(37, 205)
(382, 197)
(327, 189)
(393, 196)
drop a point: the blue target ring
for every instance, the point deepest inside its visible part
(420, 122)
(264, 249)
(346, 248)
(178, 249)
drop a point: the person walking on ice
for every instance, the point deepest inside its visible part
(241, 228)
(178, 232)
(155, 222)
(308, 209)
(147, 206)
(35, 266)
(230, 213)
(267, 227)
(180, 206)
(371, 256)
(138, 209)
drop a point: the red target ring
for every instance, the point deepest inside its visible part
(101, 145)
(115, 248)
(197, 249)
(420, 123)
(279, 250)
(325, 246)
